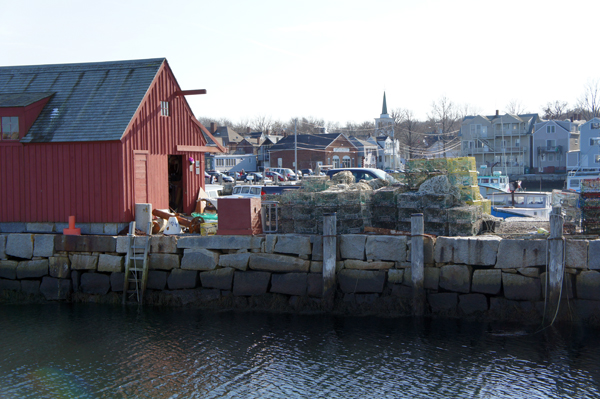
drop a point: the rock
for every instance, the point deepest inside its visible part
(588, 285)
(32, 269)
(390, 248)
(199, 259)
(521, 288)
(515, 254)
(43, 245)
(30, 287)
(163, 244)
(182, 279)
(278, 263)
(472, 303)
(395, 276)
(576, 254)
(487, 281)
(238, 261)
(10, 285)
(220, 242)
(95, 283)
(157, 280)
(362, 265)
(594, 254)
(250, 283)
(316, 266)
(445, 302)
(456, 278)
(407, 280)
(55, 289)
(317, 247)
(529, 271)
(117, 279)
(8, 269)
(352, 246)
(289, 283)
(163, 261)
(59, 266)
(20, 245)
(402, 291)
(315, 285)
(361, 281)
(293, 244)
(85, 243)
(431, 278)
(83, 262)
(568, 286)
(110, 263)
(76, 280)
(479, 251)
(219, 278)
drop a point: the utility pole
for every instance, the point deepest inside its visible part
(296, 147)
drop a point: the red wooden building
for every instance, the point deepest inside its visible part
(94, 139)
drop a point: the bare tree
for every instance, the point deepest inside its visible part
(589, 102)
(444, 120)
(409, 131)
(556, 110)
(262, 123)
(515, 107)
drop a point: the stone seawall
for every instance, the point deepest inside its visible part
(482, 277)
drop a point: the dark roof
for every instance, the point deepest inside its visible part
(306, 141)
(91, 101)
(21, 99)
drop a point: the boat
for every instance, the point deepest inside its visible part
(534, 204)
(497, 183)
(575, 177)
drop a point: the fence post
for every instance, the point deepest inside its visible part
(556, 264)
(417, 263)
(329, 258)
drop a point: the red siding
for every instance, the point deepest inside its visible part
(50, 182)
(160, 136)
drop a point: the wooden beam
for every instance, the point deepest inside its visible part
(209, 134)
(197, 148)
(189, 92)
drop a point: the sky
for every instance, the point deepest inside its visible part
(330, 60)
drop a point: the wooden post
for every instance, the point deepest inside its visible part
(329, 258)
(417, 263)
(556, 266)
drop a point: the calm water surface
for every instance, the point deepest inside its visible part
(96, 351)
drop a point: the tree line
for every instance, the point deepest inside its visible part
(442, 123)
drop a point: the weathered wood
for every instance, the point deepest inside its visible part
(556, 264)
(417, 263)
(189, 92)
(197, 148)
(166, 215)
(329, 257)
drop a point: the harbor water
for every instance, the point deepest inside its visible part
(99, 351)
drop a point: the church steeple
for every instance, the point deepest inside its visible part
(384, 109)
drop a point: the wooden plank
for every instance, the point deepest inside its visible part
(197, 148)
(189, 92)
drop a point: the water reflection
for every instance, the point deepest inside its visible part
(94, 351)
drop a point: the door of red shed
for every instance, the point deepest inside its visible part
(239, 216)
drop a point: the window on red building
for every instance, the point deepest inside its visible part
(10, 128)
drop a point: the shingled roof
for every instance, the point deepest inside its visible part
(89, 102)
(306, 141)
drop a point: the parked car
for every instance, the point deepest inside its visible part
(275, 176)
(307, 172)
(225, 178)
(286, 172)
(390, 171)
(365, 174)
(255, 177)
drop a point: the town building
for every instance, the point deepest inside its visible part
(389, 156)
(91, 140)
(499, 141)
(553, 140)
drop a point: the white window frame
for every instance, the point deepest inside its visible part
(164, 108)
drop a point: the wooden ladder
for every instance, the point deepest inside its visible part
(136, 265)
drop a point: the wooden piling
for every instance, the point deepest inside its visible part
(556, 263)
(329, 258)
(417, 263)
